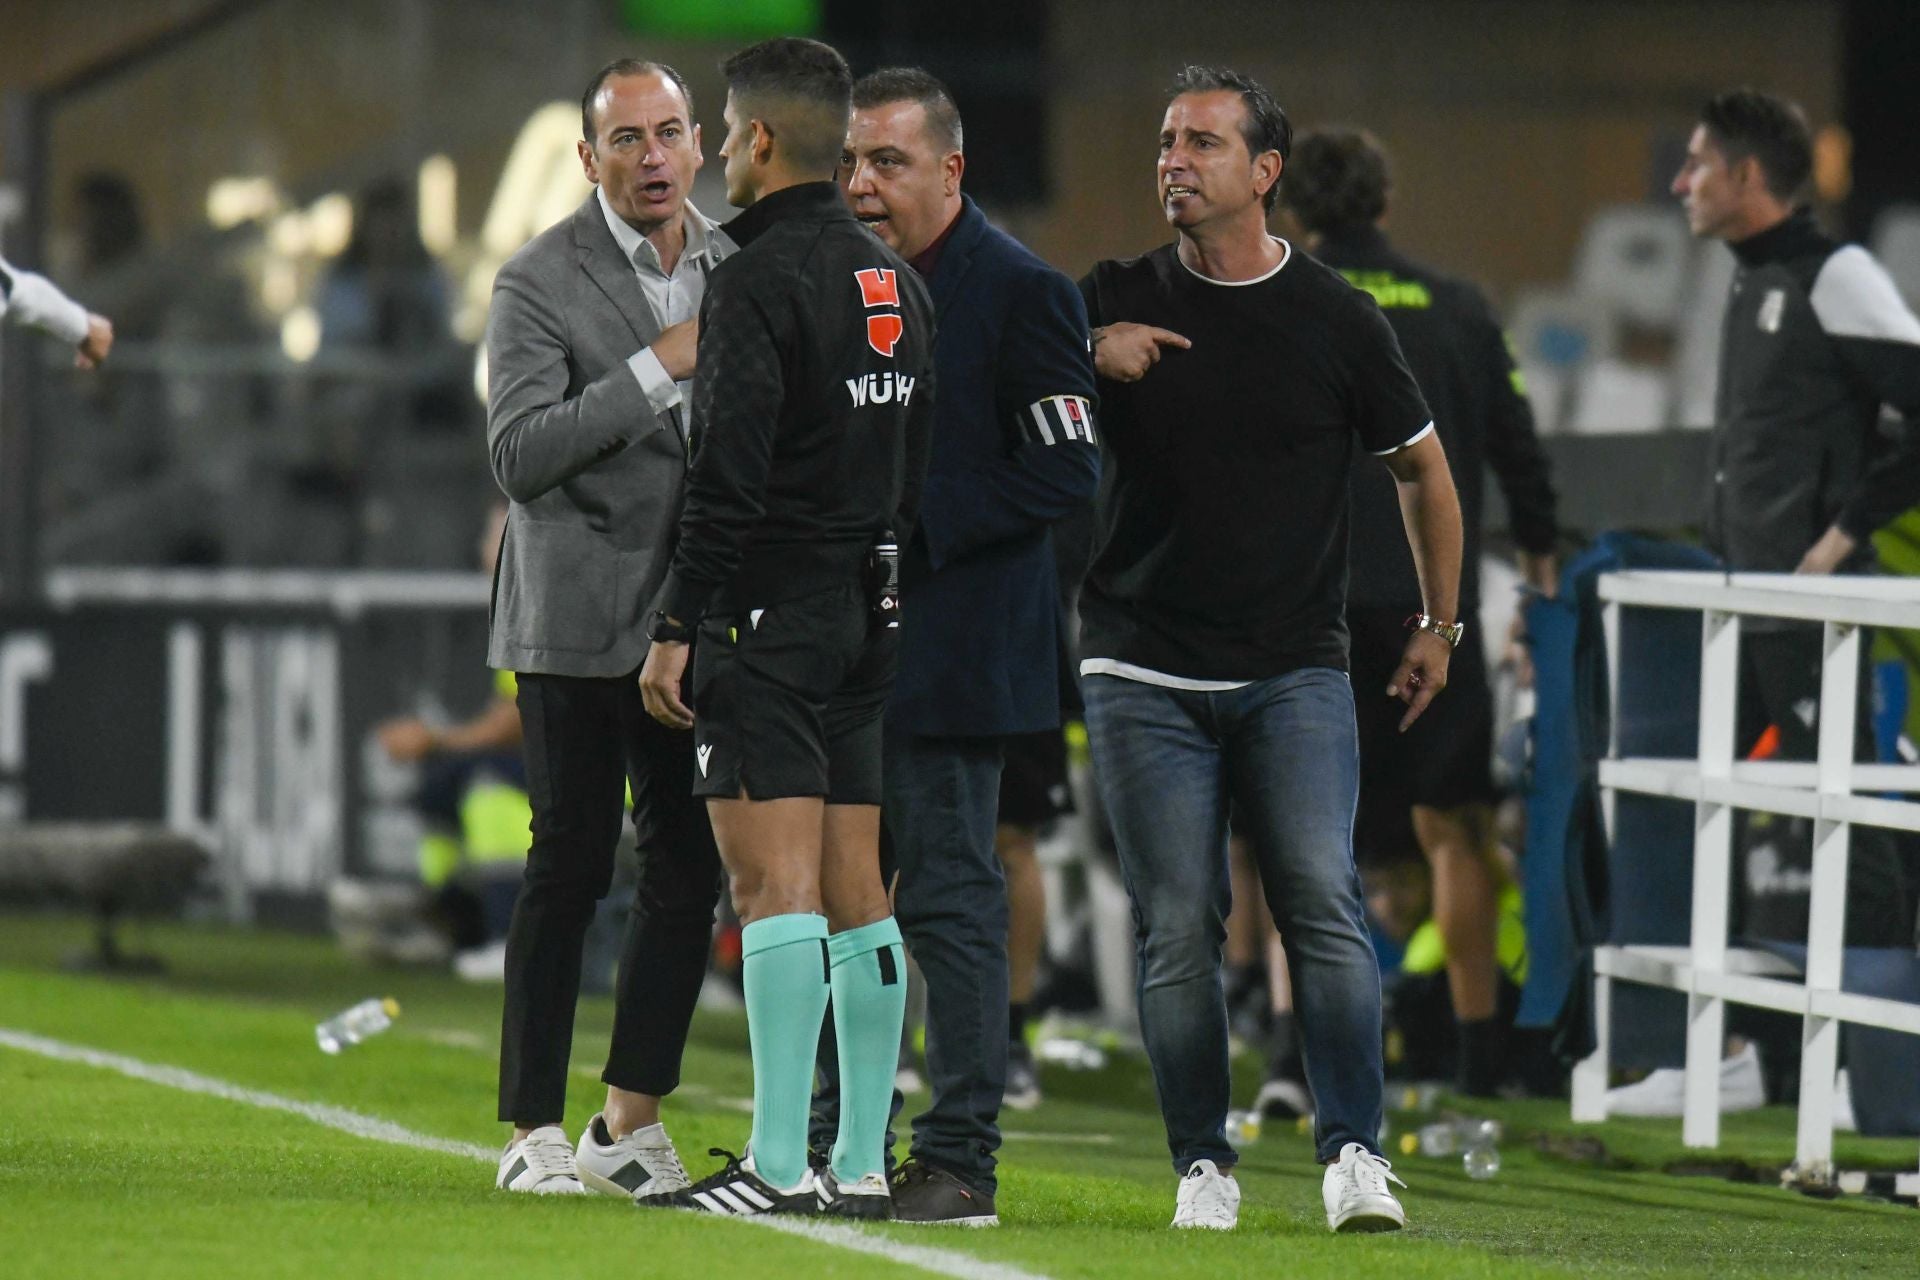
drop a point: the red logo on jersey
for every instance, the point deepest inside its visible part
(878, 288)
(1073, 410)
(883, 331)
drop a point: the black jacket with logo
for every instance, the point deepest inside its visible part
(812, 408)
(1816, 339)
(1459, 356)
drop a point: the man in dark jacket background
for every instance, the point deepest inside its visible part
(1337, 186)
(1815, 342)
(1013, 451)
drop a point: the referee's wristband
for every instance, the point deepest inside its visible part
(664, 629)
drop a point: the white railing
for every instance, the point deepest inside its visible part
(1826, 790)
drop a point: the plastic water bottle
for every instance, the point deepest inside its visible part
(1481, 1160)
(1243, 1128)
(351, 1026)
(1441, 1138)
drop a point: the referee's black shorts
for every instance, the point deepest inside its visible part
(788, 700)
(1445, 760)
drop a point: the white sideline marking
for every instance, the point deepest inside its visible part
(192, 1082)
(943, 1262)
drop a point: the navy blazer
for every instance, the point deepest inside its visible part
(1013, 451)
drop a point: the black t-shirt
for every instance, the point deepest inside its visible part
(1221, 524)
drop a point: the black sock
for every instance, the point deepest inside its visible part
(1017, 1023)
(1283, 1049)
(1483, 1045)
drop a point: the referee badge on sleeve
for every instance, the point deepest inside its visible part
(1055, 419)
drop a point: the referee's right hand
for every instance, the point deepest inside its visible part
(660, 678)
(1124, 352)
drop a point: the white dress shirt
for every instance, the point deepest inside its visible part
(674, 297)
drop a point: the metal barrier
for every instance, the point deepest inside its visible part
(1827, 791)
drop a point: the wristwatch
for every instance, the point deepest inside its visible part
(664, 629)
(1448, 631)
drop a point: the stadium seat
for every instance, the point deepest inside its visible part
(1632, 262)
(1615, 397)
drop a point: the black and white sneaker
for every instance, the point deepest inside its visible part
(737, 1191)
(867, 1198)
(540, 1164)
(643, 1163)
(1023, 1078)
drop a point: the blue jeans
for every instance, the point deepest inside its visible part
(1286, 751)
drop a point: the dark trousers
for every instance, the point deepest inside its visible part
(942, 801)
(586, 739)
(1780, 685)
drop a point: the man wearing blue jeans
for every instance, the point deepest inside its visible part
(1236, 379)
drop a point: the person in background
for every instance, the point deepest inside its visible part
(30, 299)
(472, 797)
(1802, 472)
(1034, 794)
(590, 347)
(1338, 186)
(1238, 379)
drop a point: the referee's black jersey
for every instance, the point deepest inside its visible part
(1461, 360)
(812, 408)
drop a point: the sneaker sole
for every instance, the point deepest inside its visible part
(608, 1187)
(983, 1220)
(1368, 1224)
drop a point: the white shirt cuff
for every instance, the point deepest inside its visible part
(37, 302)
(663, 393)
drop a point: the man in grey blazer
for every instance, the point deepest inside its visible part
(590, 350)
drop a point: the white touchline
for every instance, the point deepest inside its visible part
(943, 1262)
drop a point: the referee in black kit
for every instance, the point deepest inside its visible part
(1337, 186)
(812, 422)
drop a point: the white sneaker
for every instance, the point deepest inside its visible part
(1664, 1093)
(540, 1164)
(1356, 1194)
(643, 1163)
(486, 963)
(1209, 1199)
(1843, 1118)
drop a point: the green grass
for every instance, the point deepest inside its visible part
(100, 1174)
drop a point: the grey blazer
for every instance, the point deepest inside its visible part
(594, 475)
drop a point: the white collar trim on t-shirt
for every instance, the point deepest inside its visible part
(1286, 256)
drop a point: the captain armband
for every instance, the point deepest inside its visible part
(1056, 420)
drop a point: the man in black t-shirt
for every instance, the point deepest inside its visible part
(1337, 187)
(1237, 379)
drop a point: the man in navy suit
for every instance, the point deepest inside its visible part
(1013, 451)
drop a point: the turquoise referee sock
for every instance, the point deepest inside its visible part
(784, 969)
(869, 1004)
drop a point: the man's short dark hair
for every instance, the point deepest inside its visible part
(1746, 123)
(801, 90)
(1266, 127)
(628, 67)
(911, 84)
(1337, 180)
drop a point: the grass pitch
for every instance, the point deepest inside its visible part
(105, 1175)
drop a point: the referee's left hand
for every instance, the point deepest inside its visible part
(1422, 673)
(660, 678)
